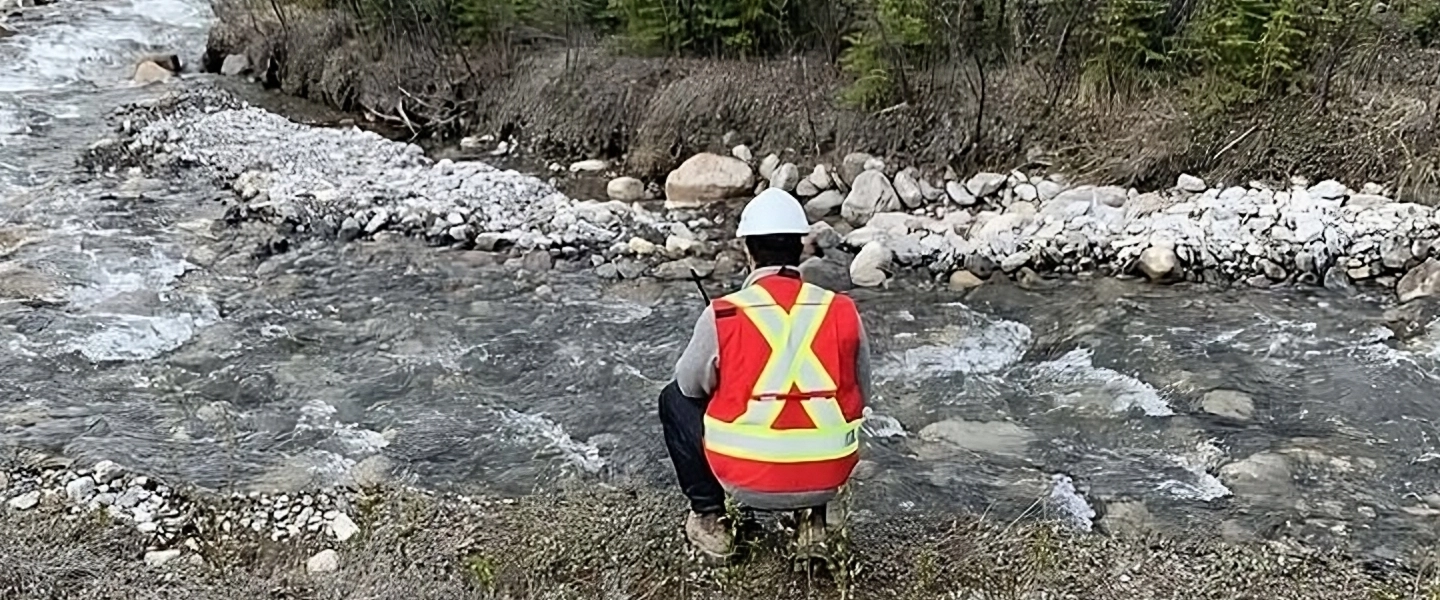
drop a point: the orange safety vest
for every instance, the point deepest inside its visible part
(786, 414)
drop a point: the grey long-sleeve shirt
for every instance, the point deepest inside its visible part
(698, 370)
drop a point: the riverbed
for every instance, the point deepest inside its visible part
(136, 326)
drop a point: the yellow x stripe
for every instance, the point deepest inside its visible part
(792, 364)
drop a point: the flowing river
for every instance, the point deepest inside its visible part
(131, 331)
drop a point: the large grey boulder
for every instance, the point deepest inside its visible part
(871, 193)
(868, 267)
(706, 178)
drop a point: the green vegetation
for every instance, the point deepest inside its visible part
(1227, 52)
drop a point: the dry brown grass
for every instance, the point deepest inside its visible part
(617, 544)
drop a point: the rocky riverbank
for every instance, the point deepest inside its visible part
(58, 540)
(872, 220)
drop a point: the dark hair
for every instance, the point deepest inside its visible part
(776, 249)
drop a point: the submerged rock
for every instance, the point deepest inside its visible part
(1421, 282)
(964, 280)
(1230, 404)
(996, 437)
(1262, 477)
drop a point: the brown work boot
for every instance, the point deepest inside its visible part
(709, 535)
(810, 534)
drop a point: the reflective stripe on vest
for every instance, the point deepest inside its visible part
(792, 367)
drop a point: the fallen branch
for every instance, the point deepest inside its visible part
(1236, 141)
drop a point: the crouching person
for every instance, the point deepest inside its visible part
(769, 393)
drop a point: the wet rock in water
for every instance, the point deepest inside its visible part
(1159, 263)
(786, 177)
(1229, 404)
(25, 501)
(607, 271)
(959, 194)
(984, 184)
(871, 193)
(537, 261)
(964, 280)
(1273, 271)
(327, 561)
(827, 272)
(1263, 477)
(29, 286)
(1413, 318)
(1421, 282)
(823, 205)
(993, 437)
(625, 189)
(868, 267)
(148, 72)
(982, 266)
(235, 64)
(1128, 519)
(1190, 183)
(159, 558)
(1337, 280)
(706, 178)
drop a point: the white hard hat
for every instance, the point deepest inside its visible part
(773, 211)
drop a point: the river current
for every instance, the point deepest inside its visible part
(133, 330)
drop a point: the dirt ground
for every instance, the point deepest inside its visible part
(627, 544)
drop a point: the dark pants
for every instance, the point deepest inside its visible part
(683, 419)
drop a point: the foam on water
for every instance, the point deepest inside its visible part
(1072, 508)
(549, 433)
(988, 347)
(1074, 380)
(1204, 487)
(131, 337)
